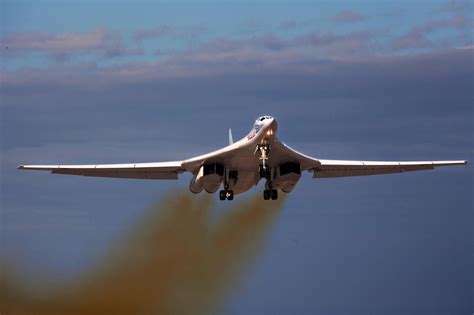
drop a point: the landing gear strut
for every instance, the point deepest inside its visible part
(264, 170)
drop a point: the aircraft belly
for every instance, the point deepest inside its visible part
(243, 161)
(246, 180)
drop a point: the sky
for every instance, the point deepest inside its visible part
(142, 81)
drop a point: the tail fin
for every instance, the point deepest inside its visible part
(231, 140)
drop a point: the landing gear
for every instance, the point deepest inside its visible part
(226, 194)
(264, 172)
(270, 193)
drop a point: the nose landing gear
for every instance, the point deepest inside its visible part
(264, 170)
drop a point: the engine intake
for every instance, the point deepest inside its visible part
(214, 168)
(290, 167)
(287, 175)
(208, 177)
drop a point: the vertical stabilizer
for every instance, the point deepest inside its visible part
(231, 140)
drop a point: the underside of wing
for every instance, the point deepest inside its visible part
(157, 170)
(335, 168)
(161, 170)
(339, 168)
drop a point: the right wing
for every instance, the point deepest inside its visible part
(161, 170)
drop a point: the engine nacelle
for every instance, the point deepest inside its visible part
(208, 177)
(286, 176)
(195, 187)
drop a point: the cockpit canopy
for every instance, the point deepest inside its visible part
(259, 123)
(262, 118)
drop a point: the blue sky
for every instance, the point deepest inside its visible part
(104, 82)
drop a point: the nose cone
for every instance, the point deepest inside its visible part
(272, 124)
(271, 127)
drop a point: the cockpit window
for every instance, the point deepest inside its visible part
(258, 126)
(262, 118)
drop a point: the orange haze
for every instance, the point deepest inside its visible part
(179, 259)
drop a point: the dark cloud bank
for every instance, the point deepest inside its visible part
(362, 93)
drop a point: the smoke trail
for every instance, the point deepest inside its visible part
(179, 260)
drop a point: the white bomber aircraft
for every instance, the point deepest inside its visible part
(240, 166)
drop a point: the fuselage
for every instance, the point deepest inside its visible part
(240, 171)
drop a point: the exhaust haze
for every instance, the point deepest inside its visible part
(181, 258)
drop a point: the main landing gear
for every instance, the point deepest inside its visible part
(226, 194)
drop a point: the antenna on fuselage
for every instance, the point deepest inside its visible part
(231, 140)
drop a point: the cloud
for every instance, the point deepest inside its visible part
(287, 24)
(64, 45)
(188, 34)
(395, 12)
(337, 45)
(417, 37)
(250, 25)
(348, 16)
(307, 53)
(315, 44)
(414, 39)
(270, 51)
(156, 32)
(264, 51)
(456, 6)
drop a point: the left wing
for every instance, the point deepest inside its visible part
(322, 168)
(161, 170)
(335, 168)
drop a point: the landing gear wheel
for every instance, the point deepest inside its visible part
(270, 194)
(222, 195)
(274, 194)
(266, 194)
(226, 194)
